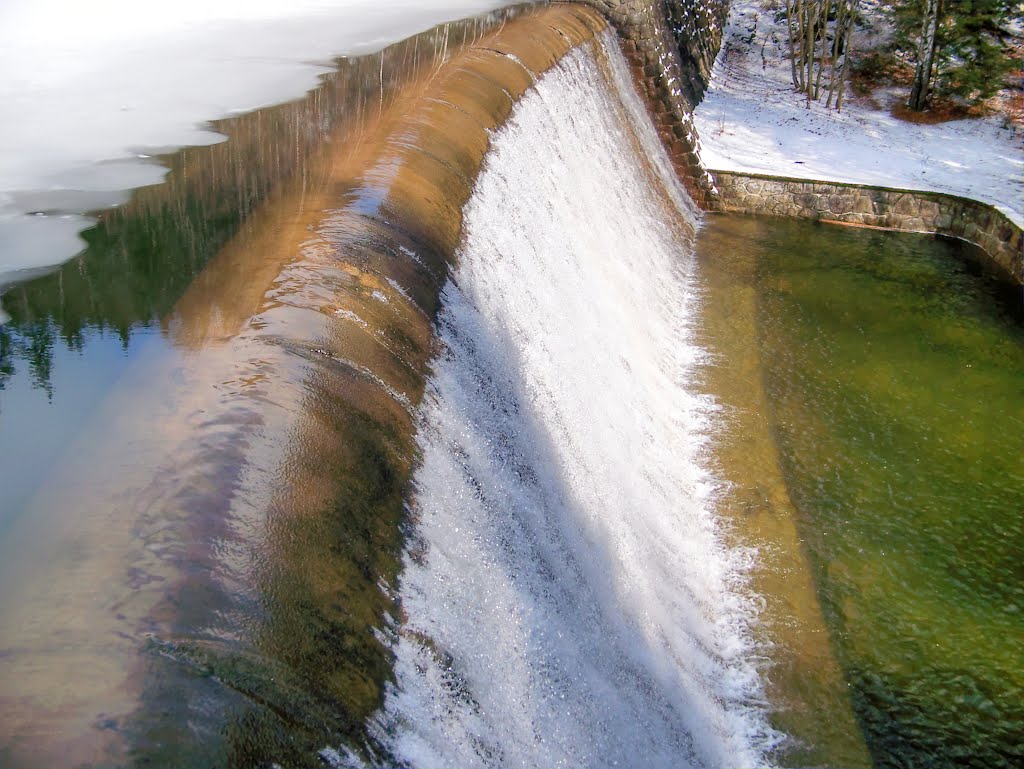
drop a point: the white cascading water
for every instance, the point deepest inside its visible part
(568, 599)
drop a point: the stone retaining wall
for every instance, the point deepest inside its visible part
(697, 28)
(911, 210)
(672, 45)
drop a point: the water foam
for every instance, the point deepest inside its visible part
(567, 597)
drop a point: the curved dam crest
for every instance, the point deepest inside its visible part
(225, 590)
(219, 596)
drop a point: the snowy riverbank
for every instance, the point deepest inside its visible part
(753, 121)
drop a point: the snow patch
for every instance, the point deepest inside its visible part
(752, 121)
(86, 86)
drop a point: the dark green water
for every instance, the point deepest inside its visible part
(894, 368)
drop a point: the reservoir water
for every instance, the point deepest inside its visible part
(425, 421)
(205, 423)
(888, 370)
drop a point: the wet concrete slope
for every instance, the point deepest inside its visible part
(205, 578)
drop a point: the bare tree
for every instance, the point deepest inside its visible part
(845, 17)
(798, 80)
(819, 46)
(920, 93)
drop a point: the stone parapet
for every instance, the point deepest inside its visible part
(896, 209)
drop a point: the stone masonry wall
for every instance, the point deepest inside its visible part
(697, 27)
(911, 210)
(671, 46)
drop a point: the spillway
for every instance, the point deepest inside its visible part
(424, 421)
(401, 456)
(566, 594)
(192, 560)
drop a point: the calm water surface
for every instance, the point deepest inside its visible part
(894, 374)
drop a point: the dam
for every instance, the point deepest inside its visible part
(428, 420)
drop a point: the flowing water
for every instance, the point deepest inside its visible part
(113, 299)
(568, 599)
(205, 423)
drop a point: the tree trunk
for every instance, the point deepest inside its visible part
(823, 39)
(836, 49)
(810, 20)
(920, 93)
(848, 38)
(790, 10)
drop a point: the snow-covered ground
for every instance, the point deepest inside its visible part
(88, 89)
(753, 121)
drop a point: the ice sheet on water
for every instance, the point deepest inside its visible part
(84, 84)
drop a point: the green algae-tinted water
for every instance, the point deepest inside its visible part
(894, 368)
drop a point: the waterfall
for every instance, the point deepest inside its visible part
(567, 596)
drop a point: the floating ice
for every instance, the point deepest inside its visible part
(84, 84)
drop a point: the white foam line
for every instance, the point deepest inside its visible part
(568, 597)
